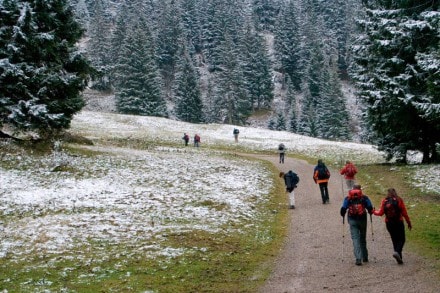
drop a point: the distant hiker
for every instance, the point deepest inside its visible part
(196, 140)
(185, 138)
(349, 171)
(236, 132)
(291, 180)
(321, 176)
(394, 209)
(357, 204)
(282, 151)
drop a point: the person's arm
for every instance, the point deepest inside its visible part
(344, 207)
(342, 172)
(404, 212)
(369, 205)
(381, 210)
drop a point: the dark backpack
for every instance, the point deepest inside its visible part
(391, 209)
(356, 203)
(281, 147)
(236, 131)
(291, 180)
(323, 172)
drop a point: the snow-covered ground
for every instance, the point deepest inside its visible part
(135, 197)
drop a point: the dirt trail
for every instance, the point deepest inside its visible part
(314, 258)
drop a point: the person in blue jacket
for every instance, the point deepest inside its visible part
(356, 205)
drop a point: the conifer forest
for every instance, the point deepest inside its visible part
(364, 70)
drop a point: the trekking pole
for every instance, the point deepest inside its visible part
(343, 236)
(342, 177)
(372, 236)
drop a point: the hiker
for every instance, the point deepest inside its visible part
(196, 140)
(291, 180)
(236, 132)
(349, 171)
(357, 205)
(394, 209)
(185, 139)
(282, 151)
(321, 176)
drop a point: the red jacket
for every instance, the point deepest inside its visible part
(402, 208)
(344, 171)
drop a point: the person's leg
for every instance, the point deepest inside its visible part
(292, 199)
(393, 229)
(400, 237)
(363, 239)
(350, 183)
(326, 192)
(321, 188)
(355, 237)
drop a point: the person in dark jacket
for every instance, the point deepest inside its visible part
(357, 204)
(321, 176)
(395, 211)
(291, 180)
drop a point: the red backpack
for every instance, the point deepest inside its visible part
(356, 203)
(391, 209)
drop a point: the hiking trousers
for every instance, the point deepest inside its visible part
(323, 187)
(397, 233)
(292, 198)
(350, 183)
(358, 231)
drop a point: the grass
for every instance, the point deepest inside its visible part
(228, 262)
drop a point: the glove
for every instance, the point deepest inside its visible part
(409, 226)
(342, 212)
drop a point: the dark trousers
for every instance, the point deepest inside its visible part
(397, 233)
(323, 187)
(282, 158)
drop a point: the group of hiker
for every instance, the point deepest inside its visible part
(196, 139)
(356, 205)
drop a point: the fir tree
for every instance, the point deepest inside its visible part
(41, 71)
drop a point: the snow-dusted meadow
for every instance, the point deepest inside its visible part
(136, 197)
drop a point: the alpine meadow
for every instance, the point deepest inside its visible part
(100, 192)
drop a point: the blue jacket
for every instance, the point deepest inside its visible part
(352, 204)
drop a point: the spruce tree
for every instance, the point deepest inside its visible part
(42, 72)
(136, 78)
(189, 106)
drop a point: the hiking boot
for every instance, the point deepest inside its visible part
(358, 262)
(396, 255)
(365, 259)
(292, 207)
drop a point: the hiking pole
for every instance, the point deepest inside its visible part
(372, 236)
(343, 236)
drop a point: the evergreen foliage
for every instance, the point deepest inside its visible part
(41, 71)
(398, 65)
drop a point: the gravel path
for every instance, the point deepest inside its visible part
(318, 252)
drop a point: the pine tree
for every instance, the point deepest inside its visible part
(397, 63)
(41, 71)
(137, 83)
(189, 106)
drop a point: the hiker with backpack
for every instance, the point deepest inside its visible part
(185, 138)
(349, 171)
(321, 176)
(356, 205)
(395, 211)
(282, 151)
(196, 140)
(291, 180)
(235, 133)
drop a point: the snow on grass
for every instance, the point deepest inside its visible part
(123, 195)
(131, 197)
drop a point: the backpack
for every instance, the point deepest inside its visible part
(236, 131)
(391, 209)
(350, 170)
(356, 203)
(291, 180)
(281, 147)
(323, 172)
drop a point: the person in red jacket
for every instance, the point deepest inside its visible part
(395, 211)
(349, 171)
